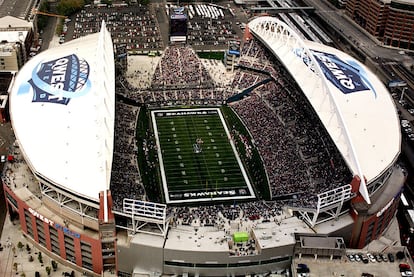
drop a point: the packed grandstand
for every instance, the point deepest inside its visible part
(297, 162)
(299, 157)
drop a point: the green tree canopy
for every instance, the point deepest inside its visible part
(69, 7)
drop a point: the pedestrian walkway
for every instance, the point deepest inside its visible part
(24, 261)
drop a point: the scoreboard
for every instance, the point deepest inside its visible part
(178, 24)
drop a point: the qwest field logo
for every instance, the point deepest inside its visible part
(347, 75)
(57, 81)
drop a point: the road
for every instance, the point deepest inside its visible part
(352, 32)
(6, 140)
(16, 8)
(49, 33)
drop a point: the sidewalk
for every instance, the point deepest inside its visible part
(11, 255)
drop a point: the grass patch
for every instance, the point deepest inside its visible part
(211, 55)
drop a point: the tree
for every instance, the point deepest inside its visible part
(54, 265)
(15, 266)
(107, 2)
(48, 270)
(400, 255)
(42, 19)
(28, 249)
(20, 245)
(69, 7)
(40, 258)
(30, 258)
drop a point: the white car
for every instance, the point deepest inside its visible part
(371, 258)
(3, 158)
(407, 273)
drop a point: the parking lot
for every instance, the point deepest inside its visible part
(346, 268)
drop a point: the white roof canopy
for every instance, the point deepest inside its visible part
(352, 103)
(62, 110)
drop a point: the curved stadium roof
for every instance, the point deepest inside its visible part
(352, 103)
(62, 111)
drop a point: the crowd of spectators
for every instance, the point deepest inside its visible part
(300, 159)
(244, 79)
(126, 181)
(135, 26)
(286, 173)
(180, 78)
(255, 56)
(222, 215)
(180, 68)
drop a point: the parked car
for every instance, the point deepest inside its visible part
(391, 257)
(371, 258)
(404, 267)
(302, 266)
(407, 273)
(405, 123)
(351, 258)
(403, 102)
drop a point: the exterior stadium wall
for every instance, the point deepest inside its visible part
(68, 244)
(373, 226)
(141, 258)
(372, 221)
(85, 249)
(75, 217)
(69, 205)
(78, 242)
(143, 253)
(207, 263)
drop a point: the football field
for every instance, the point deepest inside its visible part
(198, 160)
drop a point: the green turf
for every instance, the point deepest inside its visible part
(214, 168)
(211, 55)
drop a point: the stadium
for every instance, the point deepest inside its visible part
(187, 176)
